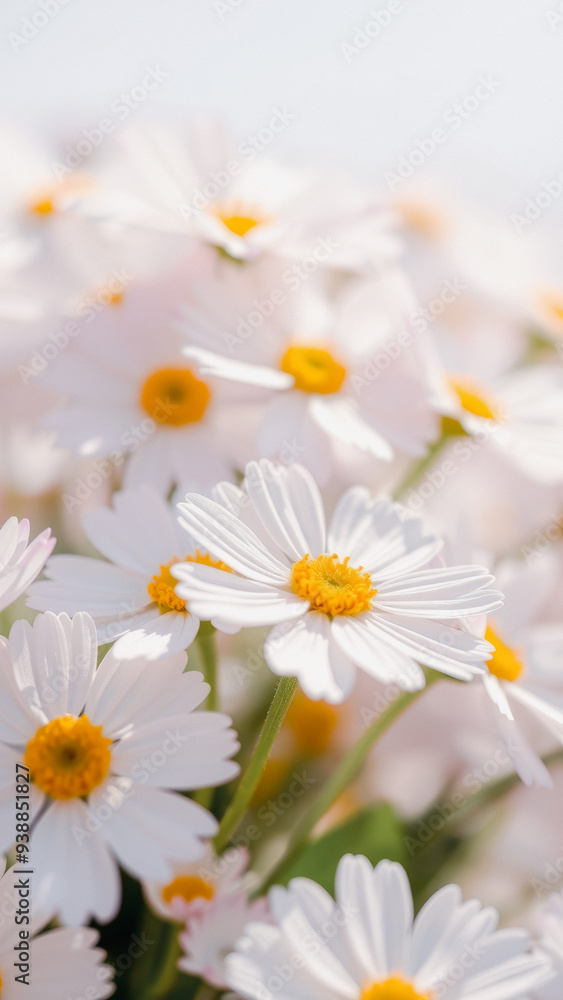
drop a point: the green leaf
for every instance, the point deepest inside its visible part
(376, 832)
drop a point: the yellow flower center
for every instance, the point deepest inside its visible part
(240, 225)
(472, 399)
(188, 887)
(43, 206)
(312, 724)
(393, 989)
(161, 587)
(313, 368)
(68, 757)
(505, 663)
(174, 396)
(333, 587)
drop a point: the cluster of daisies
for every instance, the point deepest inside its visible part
(302, 450)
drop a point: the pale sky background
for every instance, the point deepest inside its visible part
(362, 113)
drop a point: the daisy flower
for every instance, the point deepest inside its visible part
(366, 592)
(194, 886)
(20, 560)
(211, 933)
(205, 187)
(132, 398)
(367, 945)
(131, 598)
(104, 749)
(63, 962)
(551, 942)
(525, 670)
(343, 372)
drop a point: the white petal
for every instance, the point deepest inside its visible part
(306, 649)
(289, 505)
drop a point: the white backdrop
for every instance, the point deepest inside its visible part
(359, 107)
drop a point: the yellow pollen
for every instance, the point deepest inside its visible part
(43, 206)
(188, 887)
(174, 396)
(161, 587)
(240, 225)
(472, 400)
(393, 989)
(68, 757)
(313, 368)
(312, 723)
(505, 662)
(333, 587)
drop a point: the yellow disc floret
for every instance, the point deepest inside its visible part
(188, 887)
(472, 399)
(313, 368)
(393, 989)
(68, 757)
(161, 587)
(240, 225)
(331, 586)
(174, 396)
(505, 663)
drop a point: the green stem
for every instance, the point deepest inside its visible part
(169, 952)
(208, 651)
(251, 777)
(419, 468)
(341, 778)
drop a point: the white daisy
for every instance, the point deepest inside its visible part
(526, 669)
(132, 397)
(103, 748)
(63, 962)
(343, 373)
(367, 946)
(207, 188)
(551, 942)
(194, 886)
(212, 931)
(20, 560)
(365, 593)
(131, 598)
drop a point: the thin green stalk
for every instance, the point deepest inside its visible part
(416, 471)
(169, 952)
(208, 651)
(341, 778)
(251, 777)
